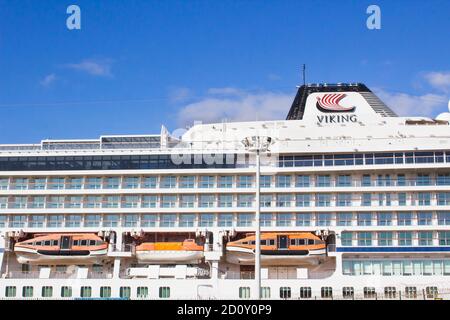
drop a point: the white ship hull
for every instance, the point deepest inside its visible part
(373, 186)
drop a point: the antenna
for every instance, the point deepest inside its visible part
(304, 74)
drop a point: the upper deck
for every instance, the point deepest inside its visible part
(341, 118)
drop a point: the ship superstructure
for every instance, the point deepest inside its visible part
(355, 203)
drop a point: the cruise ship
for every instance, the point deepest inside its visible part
(354, 203)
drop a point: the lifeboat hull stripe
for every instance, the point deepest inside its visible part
(64, 252)
(284, 252)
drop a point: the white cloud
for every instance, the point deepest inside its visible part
(404, 104)
(439, 80)
(230, 91)
(48, 80)
(236, 105)
(179, 94)
(273, 77)
(95, 67)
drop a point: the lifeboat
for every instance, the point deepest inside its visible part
(278, 249)
(62, 249)
(186, 252)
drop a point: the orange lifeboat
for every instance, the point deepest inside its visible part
(293, 248)
(62, 249)
(186, 252)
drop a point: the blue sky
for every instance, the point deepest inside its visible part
(135, 65)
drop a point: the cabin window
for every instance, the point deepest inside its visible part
(285, 292)
(310, 241)
(283, 181)
(186, 182)
(26, 268)
(55, 221)
(226, 220)
(303, 219)
(432, 292)
(125, 292)
(149, 182)
(83, 242)
(131, 183)
(92, 220)
(73, 221)
(245, 200)
(284, 219)
(168, 220)
(293, 242)
(47, 243)
(54, 242)
(272, 242)
(225, 182)
(36, 221)
(17, 221)
(326, 292)
(38, 243)
(112, 183)
(149, 202)
(148, 220)
(142, 292)
(130, 220)
(92, 242)
(206, 220)
(168, 182)
(10, 291)
(245, 219)
(252, 242)
(3, 218)
(86, 292)
(75, 242)
(27, 291)
(206, 182)
(411, 292)
(66, 292)
(164, 292)
(301, 242)
(244, 292)
(105, 292)
(245, 181)
(348, 292)
(265, 292)
(266, 220)
(47, 292)
(225, 201)
(369, 292)
(390, 292)
(305, 292)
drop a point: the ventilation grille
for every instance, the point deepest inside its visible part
(377, 105)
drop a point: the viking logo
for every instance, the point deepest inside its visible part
(330, 103)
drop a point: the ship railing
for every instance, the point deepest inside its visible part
(63, 275)
(125, 247)
(22, 274)
(99, 275)
(239, 275)
(331, 183)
